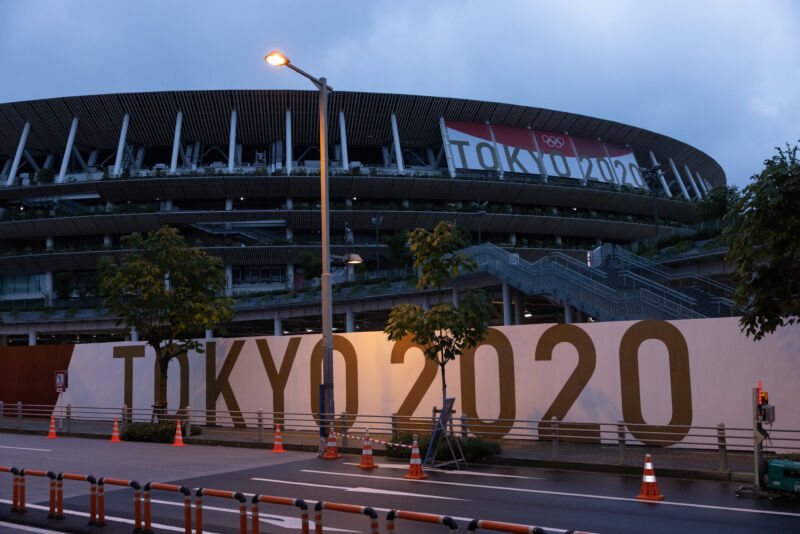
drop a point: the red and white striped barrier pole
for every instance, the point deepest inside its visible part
(419, 517)
(14, 471)
(101, 504)
(92, 494)
(187, 504)
(198, 507)
(347, 508)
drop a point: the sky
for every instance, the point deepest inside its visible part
(720, 75)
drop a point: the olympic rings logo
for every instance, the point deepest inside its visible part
(553, 141)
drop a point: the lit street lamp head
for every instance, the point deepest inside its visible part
(276, 59)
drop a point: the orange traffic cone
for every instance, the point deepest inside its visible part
(367, 462)
(415, 467)
(330, 451)
(178, 436)
(278, 446)
(649, 485)
(115, 434)
(52, 433)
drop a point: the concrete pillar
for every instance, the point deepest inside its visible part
(232, 143)
(176, 143)
(134, 334)
(506, 304)
(512, 238)
(48, 243)
(289, 203)
(197, 158)
(106, 241)
(290, 275)
(455, 297)
(289, 234)
(48, 161)
(349, 319)
(343, 136)
(6, 167)
(697, 193)
(121, 146)
(12, 174)
(678, 178)
(92, 161)
(228, 280)
(398, 151)
(518, 308)
(228, 204)
(568, 318)
(68, 150)
(48, 285)
(209, 333)
(3, 340)
(139, 161)
(288, 141)
(580, 317)
(167, 205)
(654, 162)
(32, 336)
(351, 272)
(431, 158)
(276, 326)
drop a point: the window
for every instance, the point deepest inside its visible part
(259, 275)
(12, 284)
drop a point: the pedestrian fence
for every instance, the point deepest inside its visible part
(387, 430)
(142, 500)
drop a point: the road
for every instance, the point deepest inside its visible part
(554, 500)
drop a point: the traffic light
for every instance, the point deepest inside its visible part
(766, 411)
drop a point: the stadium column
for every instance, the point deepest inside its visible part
(518, 308)
(678, 178)
(290, 275)
(343, 141)
(31, 336)
(288, 141)
(697, 191)
(276, 325)
(134, 334)
(176, 143)
(209, 333)
(702, 181)
(228, 280)
(506, 304)
(655, 163)
(568, 319)
(48, 280)
(121, 146)
(349, 320)
(451, 167)
(232, 144)
(6, 167)
(398, 151)
(48, 161)
(12, 175)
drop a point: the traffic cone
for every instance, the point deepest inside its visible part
(367, 461)
(178, 436)
(649, 485)
(278, 446)
(115, 434)
(415, 467)
(330, 451)
(52, 433)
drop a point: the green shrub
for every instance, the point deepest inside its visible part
(475, 450)
(45, 176)
(154, 432)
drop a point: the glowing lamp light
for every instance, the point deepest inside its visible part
(353, 259)
(276, 59)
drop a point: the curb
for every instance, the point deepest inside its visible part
(721, 476)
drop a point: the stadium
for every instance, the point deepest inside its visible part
(552, 201)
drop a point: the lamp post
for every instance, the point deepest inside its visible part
(276, 59)
(377, 222)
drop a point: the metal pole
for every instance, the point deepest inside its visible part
(723, 447)
(554, 432)
(260, 425)
(327, 308)
(621, 438)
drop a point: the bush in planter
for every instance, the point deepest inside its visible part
(154, 432)
(476, 450)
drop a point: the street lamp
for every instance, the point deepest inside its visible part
(276, 59)
(377, 222)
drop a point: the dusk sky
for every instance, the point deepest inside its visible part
(723, 76)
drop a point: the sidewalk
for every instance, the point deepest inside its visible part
(669, 462)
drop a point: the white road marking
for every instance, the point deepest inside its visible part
(451, 472)
(565, 494)
(25, 528)
(25, 448)
(108, 517)
(270, 519)
(358, 489)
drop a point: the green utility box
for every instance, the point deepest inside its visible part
(784, 475)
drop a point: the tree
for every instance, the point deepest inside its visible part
(718, 202)
(399, 254)
(169, 292)
(444, 331)
(764, 241)
(312, 265)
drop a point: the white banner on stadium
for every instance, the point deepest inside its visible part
(693, 372)
(476, 146)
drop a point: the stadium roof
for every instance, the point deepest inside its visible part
(261, 119)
